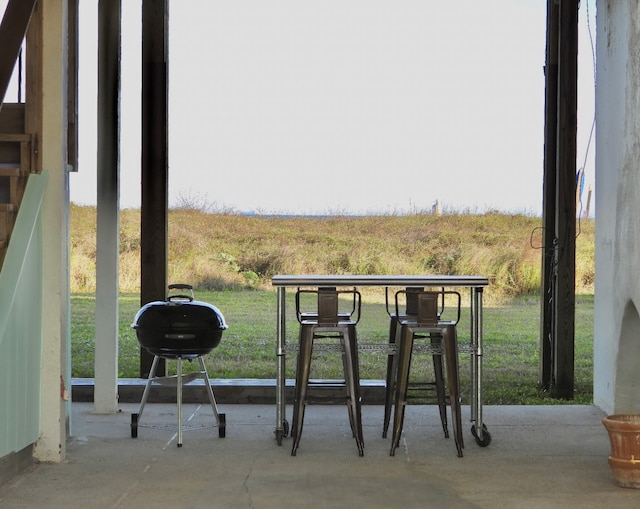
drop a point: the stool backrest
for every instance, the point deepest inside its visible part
(427, 314)
(328, 308)
(327, 305)
(411, 305)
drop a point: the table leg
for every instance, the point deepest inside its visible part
(474, 357)
(281, 421)
(479, 429)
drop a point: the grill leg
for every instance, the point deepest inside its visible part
(179, 399)
(207, 386)
(147, 388)
(220, 418)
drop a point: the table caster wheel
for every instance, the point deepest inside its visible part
(134, 425)
(222, 424)
(282, 433)
(486, 436)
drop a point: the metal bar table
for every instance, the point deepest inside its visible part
(476, 285)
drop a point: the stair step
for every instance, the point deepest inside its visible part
(12, 170)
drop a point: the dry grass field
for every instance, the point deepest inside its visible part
(215, 251)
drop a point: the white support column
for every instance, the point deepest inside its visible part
(51, 446)
(108, 221)
(616, 349)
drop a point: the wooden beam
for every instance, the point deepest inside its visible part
(564, 295)
(557, 332)
(72, 84)
(549, 195)
(155, 160)
(12, 32)
(108, 217)
(34, 108)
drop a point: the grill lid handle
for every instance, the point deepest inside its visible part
(171, 298)
(180, 286)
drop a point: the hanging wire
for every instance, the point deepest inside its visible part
(552, 254)
(593, 123)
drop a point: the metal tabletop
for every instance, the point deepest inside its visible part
(280, 281)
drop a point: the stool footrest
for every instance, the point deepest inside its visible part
(328, 387)
(329, 399)
(327, 384)
(421, 386)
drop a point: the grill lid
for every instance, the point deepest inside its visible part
(179, 326)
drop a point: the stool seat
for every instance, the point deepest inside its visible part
(329, 325)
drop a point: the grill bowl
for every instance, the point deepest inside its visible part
(179, 328)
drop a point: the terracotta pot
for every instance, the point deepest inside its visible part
(624, 436)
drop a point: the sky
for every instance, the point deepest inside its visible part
(343, 106)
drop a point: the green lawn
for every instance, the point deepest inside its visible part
(510, 361)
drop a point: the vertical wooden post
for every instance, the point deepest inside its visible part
(72, 84)
(155, 201)
(557, 333)
(108, 207)
(566, 200)
(549, 194)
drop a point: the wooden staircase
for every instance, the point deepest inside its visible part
(17, 159)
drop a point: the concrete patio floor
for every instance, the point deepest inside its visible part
(539, 457)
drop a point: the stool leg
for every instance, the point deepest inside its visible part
(402, 382)
(347, 369)
(438, 371)
(451, 355)
(302, 381)
(358, 399)
(391, 376)
(352, 382)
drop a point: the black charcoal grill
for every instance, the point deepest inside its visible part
(179, 328)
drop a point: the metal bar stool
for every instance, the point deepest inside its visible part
(328, 324)
(410, 313)
(443, 340)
